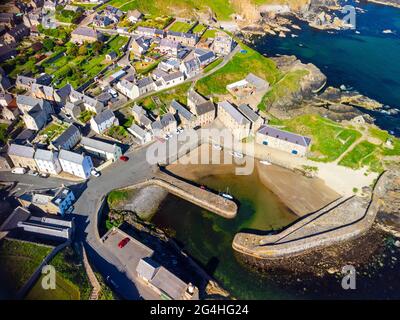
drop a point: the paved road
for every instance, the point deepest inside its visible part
(91, 194)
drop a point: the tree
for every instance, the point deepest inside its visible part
(96, 47)
(82, 50)
(73, 50)
(48, 44)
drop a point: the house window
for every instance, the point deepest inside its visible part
(265, 142)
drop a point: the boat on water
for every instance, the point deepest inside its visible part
(387, 31)
(265, 162)
(226, 195)
(217, 147)
(237, 155)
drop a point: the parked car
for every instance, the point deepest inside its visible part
(44, 175)
(18, 170)
(95, 173)
(123, 242)
(33, 173)
(123, 158)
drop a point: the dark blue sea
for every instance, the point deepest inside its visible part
(366, 59)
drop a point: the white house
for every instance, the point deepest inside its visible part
(142, 135)
(76, 164)
(47, 161)
(283, 140)
(101, 149)
(190, 67)
(135, 89)
(103, 121)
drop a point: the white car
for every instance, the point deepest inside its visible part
(33, 173)
(95, 173)
(18, 170)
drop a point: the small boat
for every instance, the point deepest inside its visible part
(387, 31)
(301, 45)
(237, 155)
(357, 32)
(294, 35)
(265, 162)
(217, 147)
(226, 195)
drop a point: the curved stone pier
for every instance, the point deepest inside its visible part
(202, 198)
(342, 220)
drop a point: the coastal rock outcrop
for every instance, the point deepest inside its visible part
(389, 214)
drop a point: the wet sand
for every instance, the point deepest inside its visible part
(301, 194)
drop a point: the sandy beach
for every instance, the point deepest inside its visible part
(300, 194)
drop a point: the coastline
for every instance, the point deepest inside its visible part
(385, 3)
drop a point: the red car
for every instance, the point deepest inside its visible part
(123, 158)
(123, 243)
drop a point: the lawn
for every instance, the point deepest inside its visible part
(238, 68)
(117, 132)
(18, 261)
(179, 93)
(155, 22)
(199, 28)
(179, 26)
(184, 8)
(329, 139)
(52, 131)
(371, 155)
(143, 67)
(210, 33)
(361, 155)
(86, 115)
(69, 266)
(65, 290)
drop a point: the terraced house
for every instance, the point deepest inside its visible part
(47, 161)
(103, 121)
(201, 107)
(22, 156)
(234, 120)
(76, 164)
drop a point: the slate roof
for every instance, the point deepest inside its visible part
(256, 81)
(138, 130)
(284, 135)
(97, 144)
(144, 82)
(71, 156)
(21, 151)
(42, 154)
(104, 116)
(182, 111)
(65, 136)
(233, 112)
(169, 283)
(248, 112)
(195, 97)
(205, 107)
(84, 31)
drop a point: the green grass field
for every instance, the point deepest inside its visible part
(199, 28)
(212, 65)
(329, 139)
(65, 290)
(179, 26)
(116, 196)
(371, 155)
(222, 8)
(18, 261)
(236, 69)
(179, 93)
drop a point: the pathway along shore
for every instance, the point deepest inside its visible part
(342, 220)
